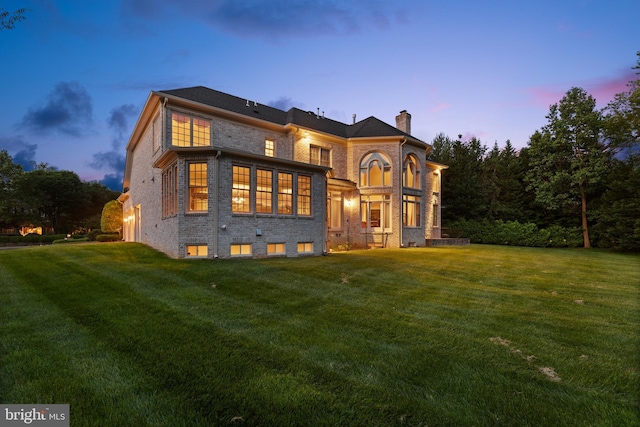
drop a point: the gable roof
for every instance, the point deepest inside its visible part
(369, 127)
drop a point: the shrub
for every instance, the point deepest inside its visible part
(112, 237)
(111, 217)
(93, 233)
(516, 234)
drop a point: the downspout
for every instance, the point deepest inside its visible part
(401, 222)
(216, 210)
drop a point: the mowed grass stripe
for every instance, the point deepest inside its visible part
(375, 337)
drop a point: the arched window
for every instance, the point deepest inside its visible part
(375, 170)
(410, 172)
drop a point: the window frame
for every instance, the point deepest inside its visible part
(367, 164)
(285, 193)
(305, 246)
(409, 162)
(318, 160)
(241, 197)
(303, 201)
(411, 206)
(263, 195)
(241, 247)
(275, 249)
(197, 247)
(196, 138)
(269, 147)
(191, 200)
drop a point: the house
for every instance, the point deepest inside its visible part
(213, 175)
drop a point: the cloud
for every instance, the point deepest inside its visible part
(68, 109)
(113, 161)
(440, 107)
(283, 103)
(602, 89)
(22, 152)
(119, 117)
(278, 18)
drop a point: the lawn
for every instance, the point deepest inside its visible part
(479, 335)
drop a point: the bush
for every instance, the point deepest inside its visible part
(93, 233)
(516, 234)
(111, 237)
(81, 239)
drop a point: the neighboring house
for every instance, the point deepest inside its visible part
(212, 175)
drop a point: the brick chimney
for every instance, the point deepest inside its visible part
(403, 122)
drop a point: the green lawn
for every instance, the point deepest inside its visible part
(480, 335)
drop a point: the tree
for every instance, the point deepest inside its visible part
(52, 197)
(9, 175)
(568, 159)
(462, 193)
(112, 217)
(8, 20)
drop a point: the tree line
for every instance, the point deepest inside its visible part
(579, 174)
(56, 200)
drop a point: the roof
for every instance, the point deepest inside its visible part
(369, 127)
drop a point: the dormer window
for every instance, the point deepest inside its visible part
(189, 131)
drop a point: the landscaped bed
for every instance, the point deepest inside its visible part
(479, 335)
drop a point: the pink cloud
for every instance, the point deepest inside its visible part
(440, 107)
(602, 89)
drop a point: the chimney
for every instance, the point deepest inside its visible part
(403, 122)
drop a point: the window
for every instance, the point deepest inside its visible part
(285, 193)
(275, 249)
(198, 190)
(410, 211)
(241, 191)
(410, 172)
(375, 170)
(241, 249)
(197, 251)
(305, 247)
(189, 131)
(320, 156)
(375, 212)
(334, 210)
(435, 213)
(264, 191)
(304, 195)
(170, 191)
(269, 147)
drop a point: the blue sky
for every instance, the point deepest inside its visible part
(75, 74)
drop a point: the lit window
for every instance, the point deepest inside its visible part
(241, 191)
(410, 172)
(198, 190)
(305, 247)
(275, 249)
(264, 191)
(197, 251)
(285, 193)
(269, 147)
(410, 211)
(375, 211)
(375, 170)
(320, 156)
(243, 249)
(188, 131)
(334, 210)
(304, 195)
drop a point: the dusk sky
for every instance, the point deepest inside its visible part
(76, 74)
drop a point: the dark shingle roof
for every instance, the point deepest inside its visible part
(369, 127)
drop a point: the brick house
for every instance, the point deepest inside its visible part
(213, 175)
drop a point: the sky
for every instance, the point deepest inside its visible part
(74, 76)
